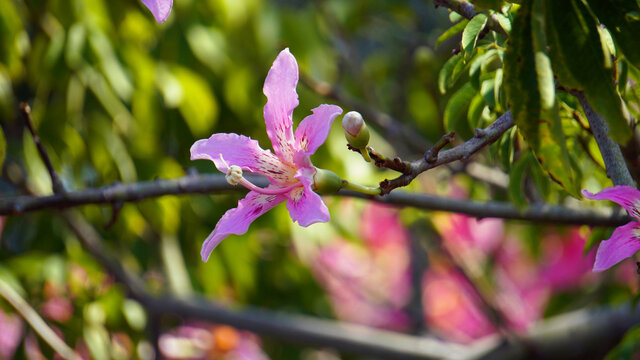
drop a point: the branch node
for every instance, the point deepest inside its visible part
(431, 155)
(480, 133)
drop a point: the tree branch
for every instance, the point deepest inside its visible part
(56, 184)
(468, 11)
(291, 328)
(204, 184)
(617, 169)
(463, 152)
(569, 336)
(35, 321)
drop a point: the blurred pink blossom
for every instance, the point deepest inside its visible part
(202, 341)
(563, 264)
(450, 307)
(11, 330)
(369, 283)
(57, 308)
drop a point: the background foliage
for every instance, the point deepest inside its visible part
(119, 98)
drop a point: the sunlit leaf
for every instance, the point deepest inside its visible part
(455, 113)
(579, 60)
(472, 32)
(529, 87)
(452, 31)
(618, 16)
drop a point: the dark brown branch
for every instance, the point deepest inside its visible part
(431, 155)
(616, 166)
(56, 184)
(205, 184)
(462, 152)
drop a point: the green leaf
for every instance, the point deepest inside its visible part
(452, 31)
(580, 63)
(471, 33)
(621, 18)
(198, 104)
(528, 81)
(505, 22)
(455, 113)
(450, 72)
(474, 114)
(516, 180)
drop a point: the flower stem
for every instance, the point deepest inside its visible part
(365, 154)
(369, 190)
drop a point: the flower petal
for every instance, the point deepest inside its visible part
(624, 242)
(314, 129)
(280, 89)
(237, 220)
(305, 206)
(159, 8)
(245, 152)
(626, 196)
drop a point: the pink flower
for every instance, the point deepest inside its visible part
(564, 266)
(451, 308)
(159, 8)
(290, 170)
(625, 240)
(11, 330)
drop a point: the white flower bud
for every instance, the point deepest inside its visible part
(355, 130)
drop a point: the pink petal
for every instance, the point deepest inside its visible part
(242, 151)
(625, 196)
(237, 220)
(280, 89)
(304, 205)
(314, 129)
(623, 243)
(159, 8)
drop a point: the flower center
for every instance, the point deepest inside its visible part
(234, 177)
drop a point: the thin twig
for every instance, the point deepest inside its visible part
(617, 169)
(431, 155)
(205, 184)
(56, 184)
(463, 152)
(468, 11)
(35, 321)
(404, 138)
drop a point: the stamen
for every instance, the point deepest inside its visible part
(234, 177)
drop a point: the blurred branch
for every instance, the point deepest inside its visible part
(617, 169)
(468, 11)
(35, 321)
(290, 328)
(56, 184)
(569, 336)
(582, 334)
(204, 184)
